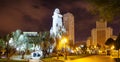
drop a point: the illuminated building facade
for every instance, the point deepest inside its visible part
(68, 20)
(100, 34)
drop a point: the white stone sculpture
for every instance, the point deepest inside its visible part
(57, 27)
(57, 22)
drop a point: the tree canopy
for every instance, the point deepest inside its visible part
(2, 43)
(109, 42)
(106, 9)
(117, 42)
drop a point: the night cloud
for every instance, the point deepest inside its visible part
(36, 15)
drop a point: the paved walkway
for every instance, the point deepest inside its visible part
(26, 58)
(96, 58)
(18, 57)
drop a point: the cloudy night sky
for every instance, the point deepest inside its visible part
(36, 15)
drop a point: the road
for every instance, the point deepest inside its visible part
(96, 58)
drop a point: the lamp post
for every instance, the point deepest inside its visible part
(64, 41)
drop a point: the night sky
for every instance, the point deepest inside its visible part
(36, 15)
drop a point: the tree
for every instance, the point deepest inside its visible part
(117, 44)
(15, 38)
(16, 35)
(2, 44)
(43, 40)
(2, 47)
(45, 44)
(106, 9)
(9, 50)
(36, 40)
(109, 42)
(18, 41)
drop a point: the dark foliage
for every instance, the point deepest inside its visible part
(106, 9)
(109, 42)
(117, 42)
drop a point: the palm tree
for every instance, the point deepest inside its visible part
(45, 44)
(15, 37)
(19, 41)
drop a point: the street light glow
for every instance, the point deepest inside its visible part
(62, 43)
(64, 40)
(112, 47)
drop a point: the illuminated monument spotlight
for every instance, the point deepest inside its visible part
(57, 28)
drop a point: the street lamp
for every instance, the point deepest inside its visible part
(112, 47)
(64, 41)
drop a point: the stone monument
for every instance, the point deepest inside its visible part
(57, 24)
(57, 28)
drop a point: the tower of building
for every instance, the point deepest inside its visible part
(100, 34)
(68, 20)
